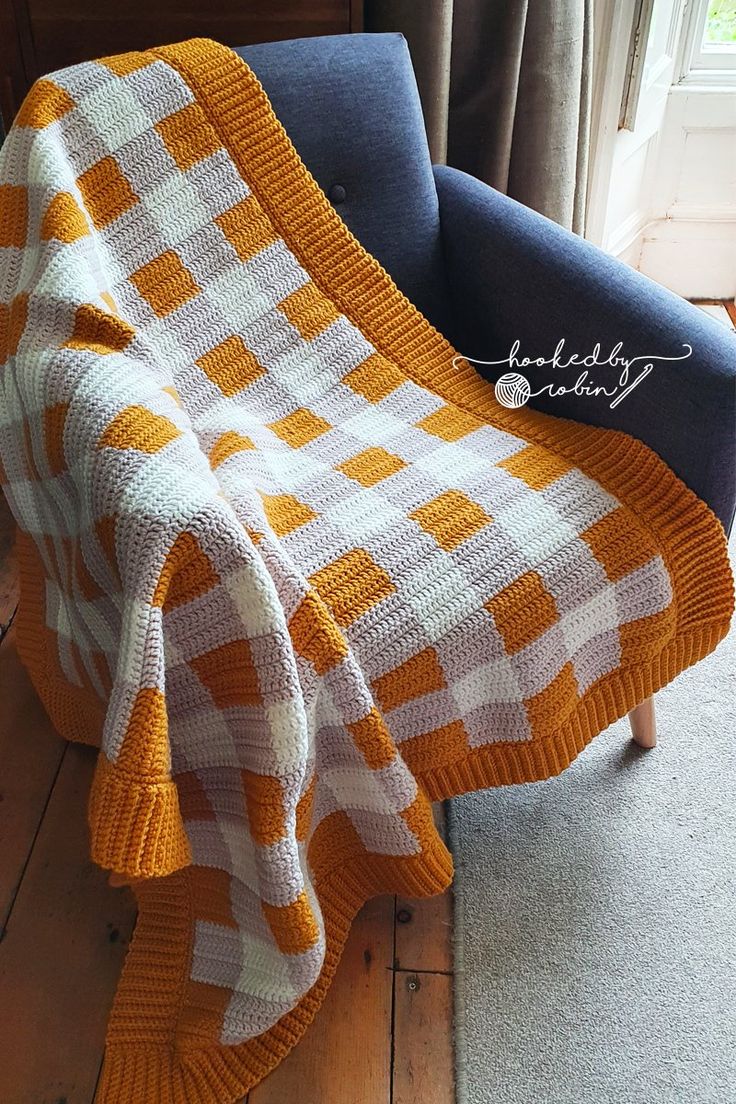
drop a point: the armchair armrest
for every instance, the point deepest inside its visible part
(516, 276)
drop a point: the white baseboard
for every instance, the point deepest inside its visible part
(626, 241)
(694, 257)
(631, 253)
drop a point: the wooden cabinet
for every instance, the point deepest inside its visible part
(38, 36)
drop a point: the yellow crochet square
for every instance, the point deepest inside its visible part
(227, 445)
(229, 674)
(137, 427)
(293, 926)
(13, 215)
(351, 585)
(44, 104)
(231, 366)
(419, 675)
(450, 423)
(374, 379)
(188, 136)
(522, 611)
(123, 64)
(300, 427)
(63, 220)
(371, 466)
(309, 311)
(536, 466)
(619, 544)
(106, 192)
(286, 513)
(165, 283)
(315, 635)
(552, 706)
(246, 228)
(451, 518)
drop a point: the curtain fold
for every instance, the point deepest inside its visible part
(428, 29)
(505, 86)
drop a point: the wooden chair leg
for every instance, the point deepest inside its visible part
(644, 724)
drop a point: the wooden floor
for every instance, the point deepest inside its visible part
(383, 1036)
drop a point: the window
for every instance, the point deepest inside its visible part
(710, 41)
(720, 26)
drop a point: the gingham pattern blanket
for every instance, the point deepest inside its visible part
(291, 568)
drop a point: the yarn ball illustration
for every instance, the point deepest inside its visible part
(512, 390)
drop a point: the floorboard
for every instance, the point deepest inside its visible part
(61, 956)
(423, 934)
(345, 1056)
(423, 1058)
(424, 927)
(8, 575)
(423, 1063)
(30, 756)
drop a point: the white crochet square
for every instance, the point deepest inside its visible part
(217, 182)
(535, 526)
(496, 681)
(175, 194)
(158, 89)
(118, 118)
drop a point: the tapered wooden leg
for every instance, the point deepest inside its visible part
(644, 724)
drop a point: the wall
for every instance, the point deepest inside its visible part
(690, 243)
(662, 195)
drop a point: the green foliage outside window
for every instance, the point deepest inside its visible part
(720, 25)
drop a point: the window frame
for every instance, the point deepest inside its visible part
(700, 63)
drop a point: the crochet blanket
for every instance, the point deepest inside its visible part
(293, 571)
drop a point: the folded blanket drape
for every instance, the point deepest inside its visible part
(293, 571)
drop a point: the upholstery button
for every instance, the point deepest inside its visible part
(337, 194)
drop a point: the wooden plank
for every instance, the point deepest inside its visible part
(61, 956)
(730, 305)
(79, 29)
(424, 927)
(8, 594)
(8, 573)
(357, 16)
(30, 754)
(345, 1055)
(423, 1058)
(14, 43)
(423, 934)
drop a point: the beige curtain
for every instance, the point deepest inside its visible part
(505, 86)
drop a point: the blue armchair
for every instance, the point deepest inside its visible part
(488, 271)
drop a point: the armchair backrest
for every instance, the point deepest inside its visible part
(350, 105)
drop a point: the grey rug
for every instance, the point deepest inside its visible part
(595, 917)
